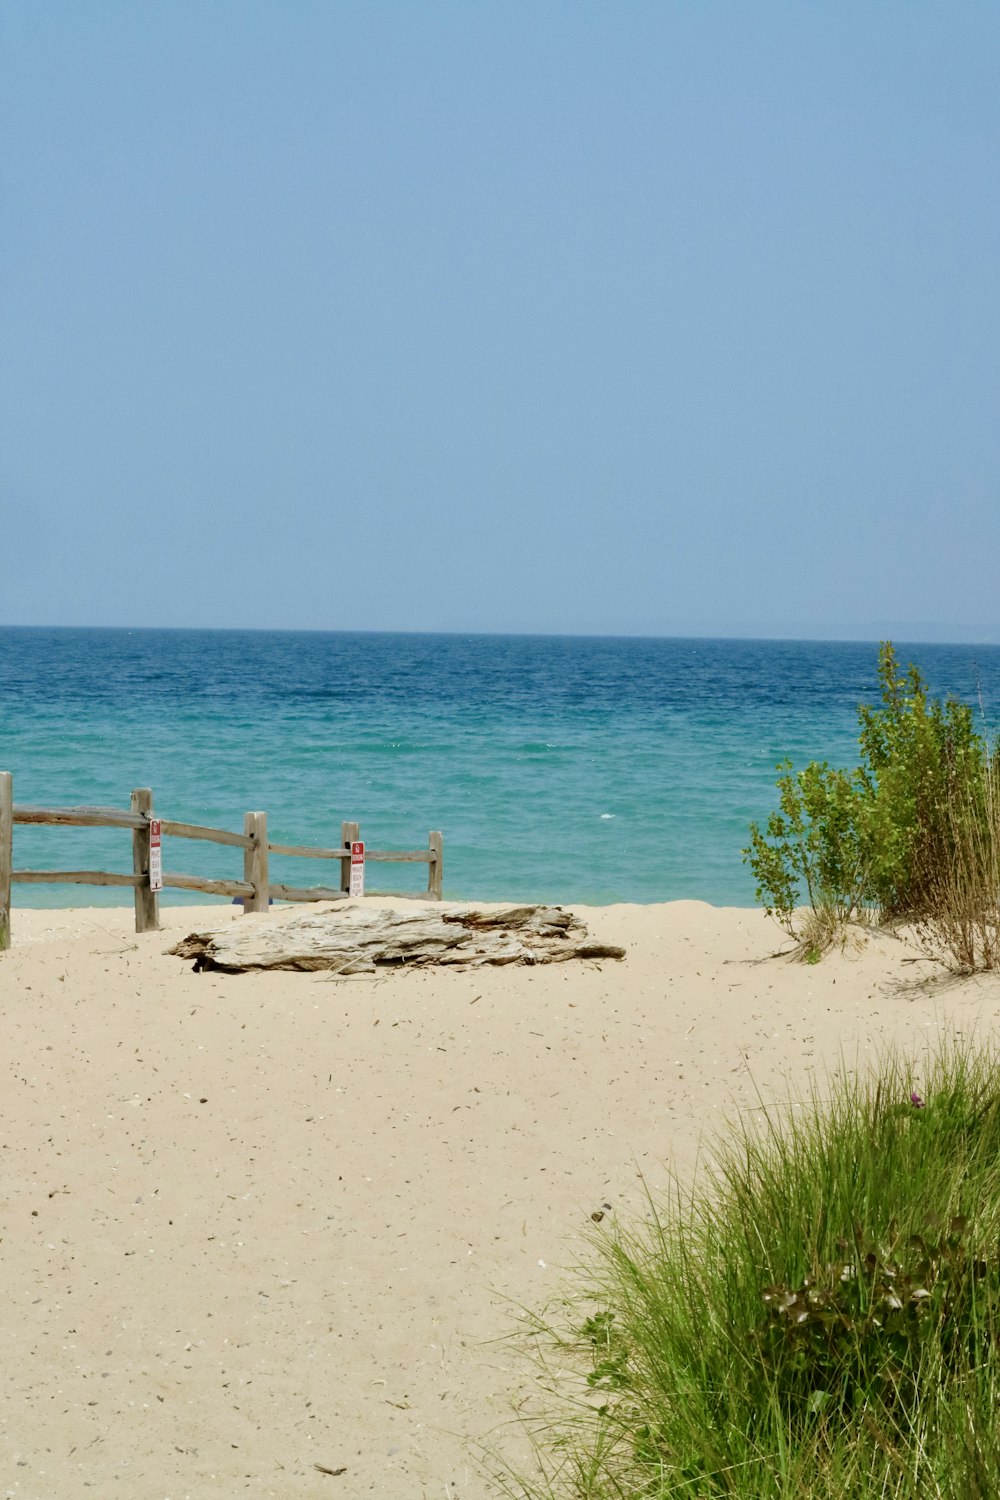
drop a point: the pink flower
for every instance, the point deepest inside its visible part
(916, 1101)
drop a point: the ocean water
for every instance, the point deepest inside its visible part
(558, 768)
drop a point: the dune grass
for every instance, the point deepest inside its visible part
(819, 1318)
(960, 925)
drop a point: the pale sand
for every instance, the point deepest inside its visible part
(260, 1222)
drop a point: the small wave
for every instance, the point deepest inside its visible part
(607, 815)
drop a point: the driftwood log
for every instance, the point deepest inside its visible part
(361, 939)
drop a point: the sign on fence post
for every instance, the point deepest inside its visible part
(155, 855)
(357, 887)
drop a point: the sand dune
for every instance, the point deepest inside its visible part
(254, 1224)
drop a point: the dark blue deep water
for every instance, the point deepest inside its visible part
(558, 768)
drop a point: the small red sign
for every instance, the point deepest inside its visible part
(357, 868)
(155, 855)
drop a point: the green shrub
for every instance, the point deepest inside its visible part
(820, 1318)
(811, 847)
(921, 758)
(885, 837)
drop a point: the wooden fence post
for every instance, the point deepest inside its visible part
(147, 902)
(349, 834)
(435, 865)
(6, 853)
(255, 871)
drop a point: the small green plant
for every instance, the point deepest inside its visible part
(863, 1327)
(819, 1319)
(899, 836)
(610, 1370)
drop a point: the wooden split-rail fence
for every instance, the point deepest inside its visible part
(255, 890)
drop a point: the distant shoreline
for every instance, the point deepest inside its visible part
(909, 634)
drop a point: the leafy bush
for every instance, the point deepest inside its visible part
(812, 845)
(820, 1318)
(892, 836)
(922, 759)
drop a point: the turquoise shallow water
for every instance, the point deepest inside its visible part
(559, 768)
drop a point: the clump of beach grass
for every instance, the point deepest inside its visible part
(825, 926)
(818, 1318)
(961, 925)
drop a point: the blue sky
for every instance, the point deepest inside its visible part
(633, 317)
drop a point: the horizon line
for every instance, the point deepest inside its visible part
(909, 633)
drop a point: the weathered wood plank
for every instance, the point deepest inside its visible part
(255, 871)
(6, 853)
(435, 870)
(349, 834)
(398, 856)
(78, 817)
(210, 887)
(76, 877)
(305, 893)
(302, 851)
(147, 902)
(211, 835)
(305, 852)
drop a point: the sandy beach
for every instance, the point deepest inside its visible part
(255, 1224)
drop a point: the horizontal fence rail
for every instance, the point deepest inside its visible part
(255, 890)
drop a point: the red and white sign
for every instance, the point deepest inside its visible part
(155, 855)
(357, 868)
